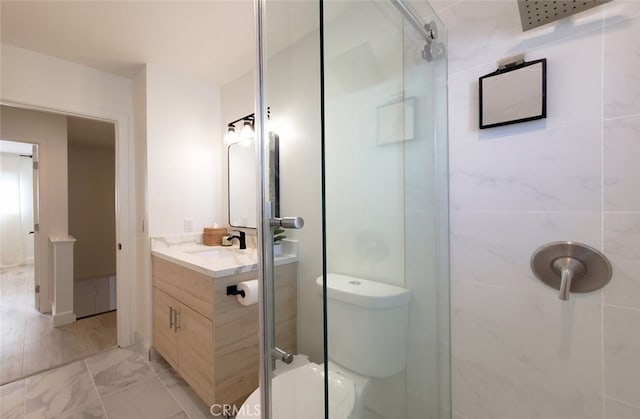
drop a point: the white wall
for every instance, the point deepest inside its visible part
(36, 80)
(178, 152)
(518, 351)
(92, 219)
(183, 152)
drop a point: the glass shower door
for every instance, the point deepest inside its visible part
(385, 160)
(288, 85)
(357, 95)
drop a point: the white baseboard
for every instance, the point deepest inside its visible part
(142, 347)
(60, 319)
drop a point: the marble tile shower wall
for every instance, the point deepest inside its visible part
(518, 351)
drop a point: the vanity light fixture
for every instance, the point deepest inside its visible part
(246, 132)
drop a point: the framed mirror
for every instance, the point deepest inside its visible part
(514, 94)
(241, 159)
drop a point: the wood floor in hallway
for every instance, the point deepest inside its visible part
(28, 341)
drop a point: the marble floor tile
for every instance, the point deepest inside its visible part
(91, 410)
(12, 400)
(55, 392)
(146, 399)
(180, 390)
(116, 369)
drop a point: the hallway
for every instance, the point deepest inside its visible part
(28, 341)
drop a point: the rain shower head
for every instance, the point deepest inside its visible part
(534, 13)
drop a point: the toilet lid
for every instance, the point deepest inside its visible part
(298, 393)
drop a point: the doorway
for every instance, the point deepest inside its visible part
(75, 161)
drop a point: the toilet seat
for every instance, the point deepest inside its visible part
(298, 393)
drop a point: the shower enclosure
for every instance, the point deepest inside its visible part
(358, 99)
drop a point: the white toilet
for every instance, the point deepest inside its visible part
(367, 325)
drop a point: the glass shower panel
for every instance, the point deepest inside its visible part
(426, 225)
(386, 212)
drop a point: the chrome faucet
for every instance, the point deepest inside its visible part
(242, 239)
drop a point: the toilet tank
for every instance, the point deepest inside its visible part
(367, 324)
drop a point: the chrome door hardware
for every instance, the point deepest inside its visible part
(571, 267)
(284, 356)
(287, 222)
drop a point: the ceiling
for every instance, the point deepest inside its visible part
(210, 40)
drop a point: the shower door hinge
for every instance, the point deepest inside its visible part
(36, 227)
(37, 289)
(35, 165)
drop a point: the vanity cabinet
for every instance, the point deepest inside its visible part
(165, 337)
(183, 324)
(209, 338)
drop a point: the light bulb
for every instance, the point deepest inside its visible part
(247, 130)
(231, 136)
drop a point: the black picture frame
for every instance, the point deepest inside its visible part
(543, 110)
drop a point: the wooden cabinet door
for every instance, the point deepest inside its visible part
(165, 338)
(195, 352)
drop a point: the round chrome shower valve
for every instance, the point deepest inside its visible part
(571, 267)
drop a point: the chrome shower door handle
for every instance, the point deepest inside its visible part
(284, 356)
(295, 223)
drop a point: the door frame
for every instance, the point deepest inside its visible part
(125, 208)
(35, 208)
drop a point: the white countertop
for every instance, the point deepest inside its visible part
(220, 261)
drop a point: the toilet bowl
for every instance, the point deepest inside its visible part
(299, 393)
(367, 327)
